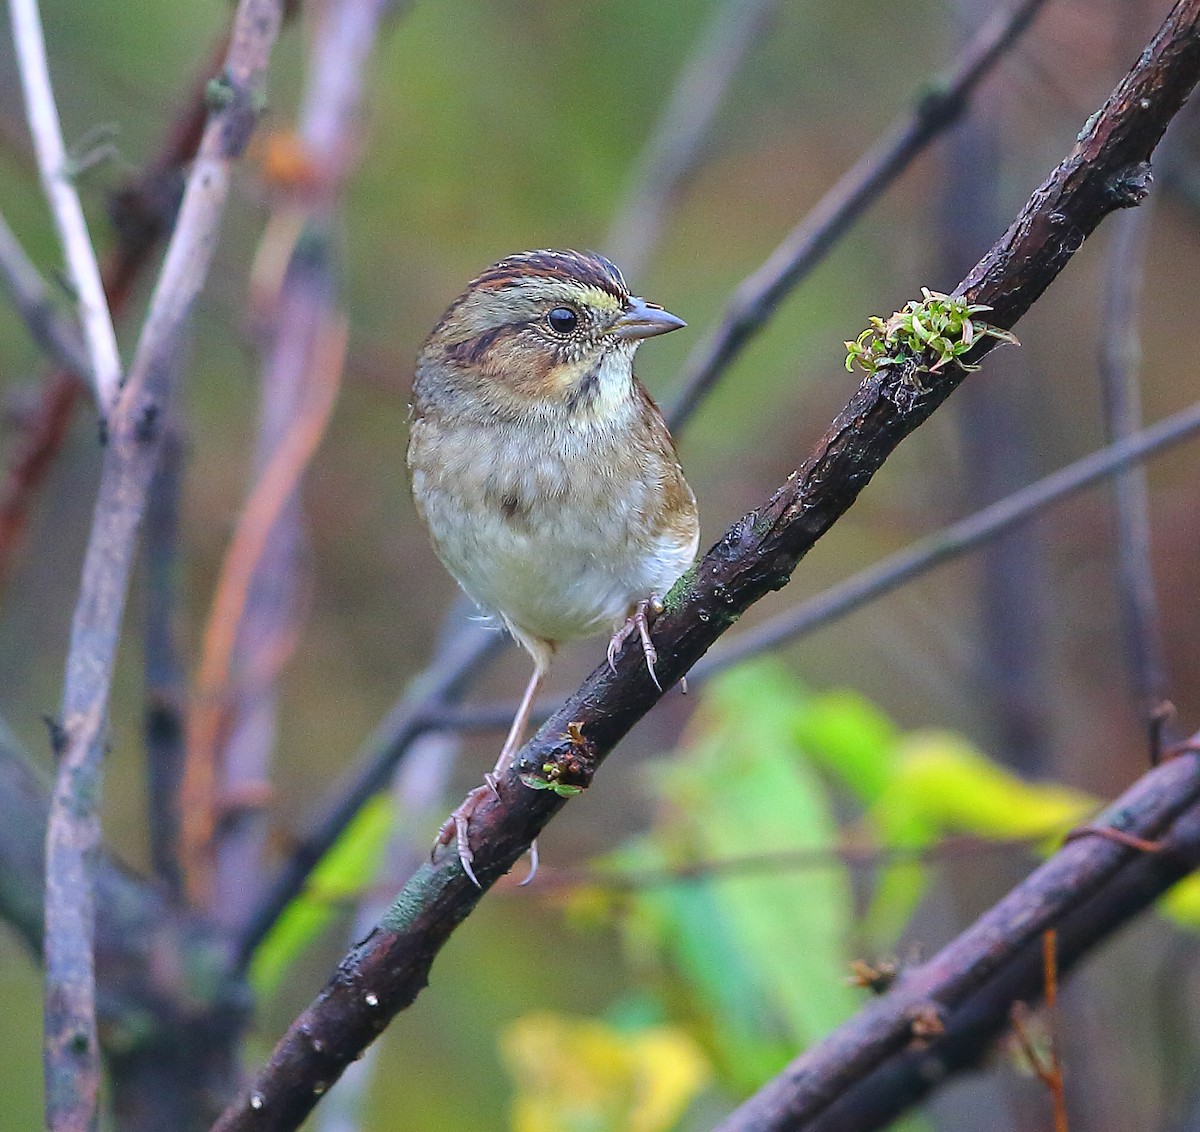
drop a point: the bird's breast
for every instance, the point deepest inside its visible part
(557, 525)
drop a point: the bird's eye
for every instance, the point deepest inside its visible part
(562, 320)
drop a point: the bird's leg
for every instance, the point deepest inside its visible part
(638, 622)
(456, 825)
(517, 731)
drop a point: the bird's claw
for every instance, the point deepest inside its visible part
(456, 827)
(638, 622)
(533, 864)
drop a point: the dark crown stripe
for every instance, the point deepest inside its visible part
(587, 268)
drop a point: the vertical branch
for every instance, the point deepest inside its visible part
(1119, 352)
(676, 143)
(232, 761)
(993, 418)
(270, 496)
(165, 681)
(264, 632)
(71, 1051)
(56, 173)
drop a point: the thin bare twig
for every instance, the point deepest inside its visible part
(1046, 1067)
(301, 293)
(759, 295)
(143, 213)
(165, 681)
(266, 502)
(269, 620)
(31, 298)
(1121, 398)
(676, 142)
(850, 854)
(441, 684)
(134, 434)
(57, 181)
(1106, 169)
(954, 540)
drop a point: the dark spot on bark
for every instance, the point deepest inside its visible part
(145, 428)
(58, 736)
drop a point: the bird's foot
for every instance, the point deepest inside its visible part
(456, 827)
(638, 622)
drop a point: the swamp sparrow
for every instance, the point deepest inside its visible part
(542, 468)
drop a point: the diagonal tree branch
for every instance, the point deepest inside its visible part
(1107, 169)
(999, 938)
(953, 540)
(971, 1029)
(71, 1049)
(31, 298)
(759, 295)
(821, 229)
(439, 686)
(889, 573)
(676, 143)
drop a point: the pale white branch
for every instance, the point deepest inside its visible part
(55, 168)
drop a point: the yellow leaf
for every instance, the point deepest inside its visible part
(1182, 903)
(580, 1075)
(955, 789)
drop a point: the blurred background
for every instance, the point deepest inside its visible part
(492, 126)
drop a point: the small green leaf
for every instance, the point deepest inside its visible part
(562, 789)
(345, 871)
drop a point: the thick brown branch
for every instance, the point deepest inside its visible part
(755, 302)
(1107, 169)
(868, 1071)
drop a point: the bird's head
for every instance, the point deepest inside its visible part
(549, 328)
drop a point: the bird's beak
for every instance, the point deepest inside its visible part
(644, 320)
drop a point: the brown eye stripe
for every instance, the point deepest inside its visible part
(473, 350)
(587, 268)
